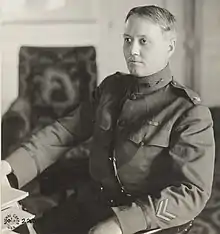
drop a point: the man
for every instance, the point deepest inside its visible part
(152, 154)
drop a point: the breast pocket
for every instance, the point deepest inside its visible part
(145, 144)
(150, 135)
(146, 155)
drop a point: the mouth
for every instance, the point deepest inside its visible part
(134, 62)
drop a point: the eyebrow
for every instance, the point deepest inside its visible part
(127, 35)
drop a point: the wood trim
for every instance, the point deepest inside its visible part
(188, 13)
(49, 22)
(192, 44)
(198, 31)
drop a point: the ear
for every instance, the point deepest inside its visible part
(171, 46)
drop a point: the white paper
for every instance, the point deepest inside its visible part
(8, 232)
(10, 195)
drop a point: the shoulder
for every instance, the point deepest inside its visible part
(186, 92)
(114, 84)
(196, 109)
(114, 78)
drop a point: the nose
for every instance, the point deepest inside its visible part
(135, 48)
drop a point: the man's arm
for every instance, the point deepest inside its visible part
(47, 145)
(192, 149)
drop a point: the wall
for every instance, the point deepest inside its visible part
(210, 54)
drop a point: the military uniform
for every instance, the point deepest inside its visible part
(152, 142)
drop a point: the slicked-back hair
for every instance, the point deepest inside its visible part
(157, 15)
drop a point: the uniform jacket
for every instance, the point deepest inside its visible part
(157, 132)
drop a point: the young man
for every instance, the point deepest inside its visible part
(152, 154)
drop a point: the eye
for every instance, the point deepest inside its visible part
(127, 39)
(143, 41)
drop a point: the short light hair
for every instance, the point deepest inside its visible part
(157, 15)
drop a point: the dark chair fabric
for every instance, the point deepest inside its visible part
(52, 82)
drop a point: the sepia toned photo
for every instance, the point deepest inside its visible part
(110, 116)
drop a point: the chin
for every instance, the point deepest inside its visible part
(137, 73)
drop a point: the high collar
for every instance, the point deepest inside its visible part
(151, 83)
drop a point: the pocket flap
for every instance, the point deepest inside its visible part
(162, 138)
(152, 135)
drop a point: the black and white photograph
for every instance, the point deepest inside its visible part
(110, 116)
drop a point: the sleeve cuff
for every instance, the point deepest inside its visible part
(131, 219)
(23, 166)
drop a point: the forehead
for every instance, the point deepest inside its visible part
(141, 26)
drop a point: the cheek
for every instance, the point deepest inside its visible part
(125, 51)
(153, 53)
(146, 53)
(163, 50)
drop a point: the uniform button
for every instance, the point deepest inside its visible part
(101, 188)
(133, 96)
(174, 82)
(198, 99)
(142, 143)
(121, 122)
(150, 122)
(154, 123)
(111, 201)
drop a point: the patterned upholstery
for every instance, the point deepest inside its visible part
(52, 82)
